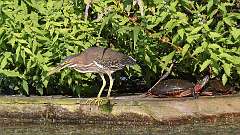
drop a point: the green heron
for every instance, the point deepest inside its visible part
(97, 60)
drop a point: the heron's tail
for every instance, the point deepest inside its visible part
(57, 68)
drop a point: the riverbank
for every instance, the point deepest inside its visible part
(121, 110)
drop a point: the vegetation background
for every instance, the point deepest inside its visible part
(35, 35)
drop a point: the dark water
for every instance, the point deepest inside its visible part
(220, 128)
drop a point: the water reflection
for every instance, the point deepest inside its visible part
(226, 128)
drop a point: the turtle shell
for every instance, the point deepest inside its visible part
(171, 87)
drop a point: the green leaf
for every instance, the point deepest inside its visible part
(27, 50)
(213, 13)
(175, 38)
(214, 46)
(228, 21)
(59, 24)
(191, 38)
(147, 59)
(69, 81)
(55, 39)
(4, 61)
(162, 17)
(170, 25)
(40, 90)
(205, 64)
(214, 56)
(209, 5)
(227, 68)
(173, 5)
(238, 70)
(49, 5)
(214, 35)
(137, 68)
(45, 83)
(200, 49)
(222, 8)
(196, 30)
(42, 38)
(230, 58)
(181, 33)
(105, 21)
(215, 67)
(38, 31)
(224, 79)
(22, 41)
(185, 49)
(219, 26)
(18, 52)
(168, 58)
(235, 33)
(10, 73)
(25, 86)
(136, 31)
(23, 55)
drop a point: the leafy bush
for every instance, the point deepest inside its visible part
(36, 35)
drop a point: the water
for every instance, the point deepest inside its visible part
(219, 128)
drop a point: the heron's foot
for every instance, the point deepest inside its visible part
(96, 101)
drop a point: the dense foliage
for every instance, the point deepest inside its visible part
(35, 35)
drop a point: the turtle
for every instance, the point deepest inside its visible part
(179, 88)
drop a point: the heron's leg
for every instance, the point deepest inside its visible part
(98, 100)
(103, 85)
(110, 85)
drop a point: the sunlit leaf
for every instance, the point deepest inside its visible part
(22, 41)
(181, 33)
(214, 35)
(10, 73)
(222, 8)
(18, 52)
(27, 50)
(235, 33)
(4, 61)
(214, 46)
(205, 64)
(45, 83)
(215, 68)
(228, 21)
(227, 68)
(224, 79)
(200, 49)
(185, 49)
(25, 86)
(168, 58)
(196, 30)
(209, 5)
(136, 31)
(23, 55)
